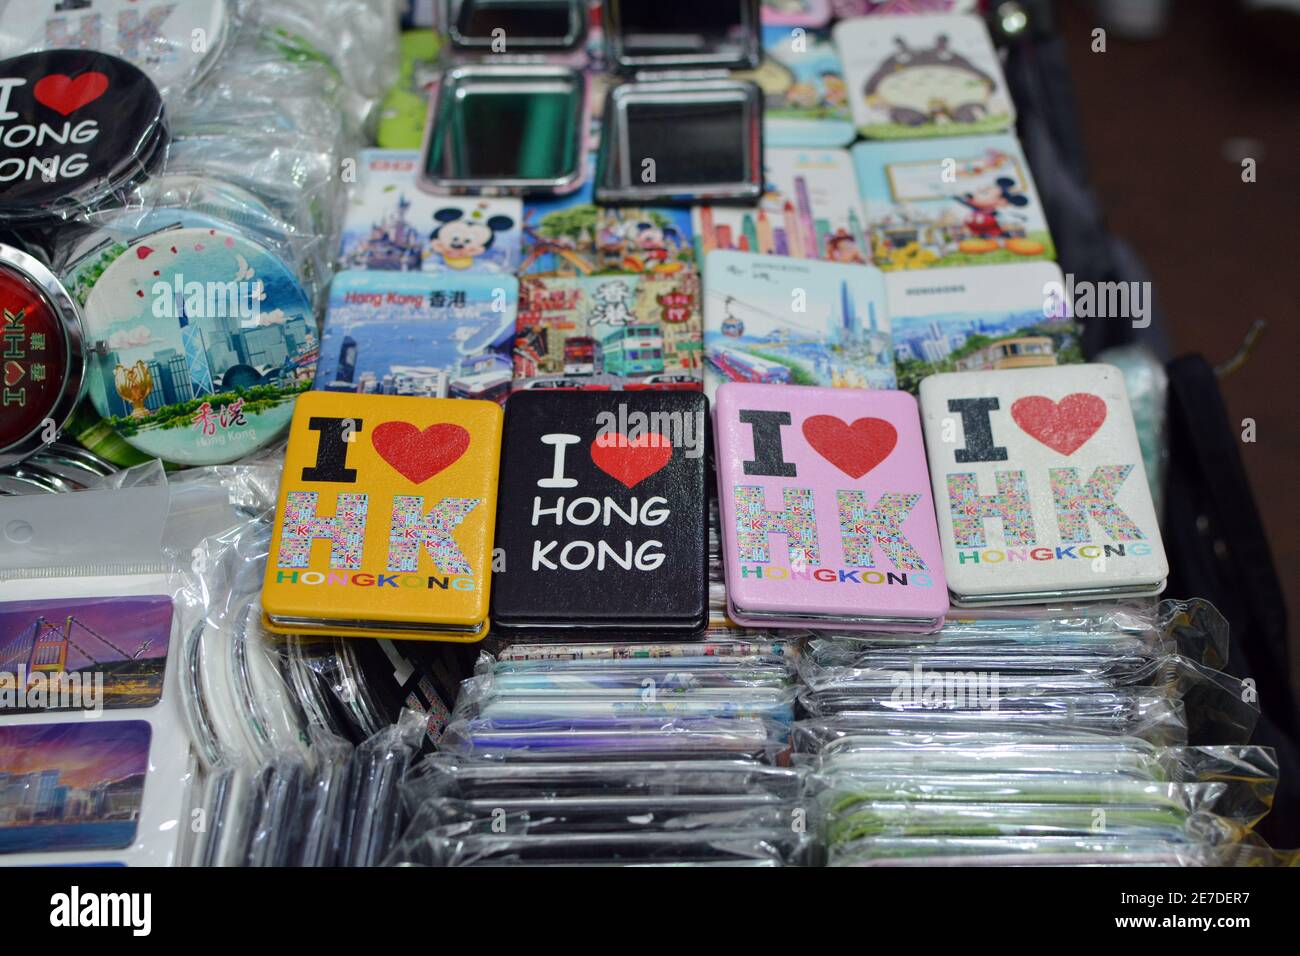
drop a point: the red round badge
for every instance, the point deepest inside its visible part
(39, 374)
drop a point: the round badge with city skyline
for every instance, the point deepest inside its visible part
(199, 341)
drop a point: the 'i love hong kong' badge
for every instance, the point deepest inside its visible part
(76, 128)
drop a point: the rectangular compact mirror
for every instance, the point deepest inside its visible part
(682, 34)
(506, 131)
(682, 142)
(516, 26)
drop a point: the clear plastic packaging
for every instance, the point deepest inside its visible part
(447, 776)
(281, 791)
(635, 695)
(226, 813)
(1148, 390)
(627, 738)
(90, 659)
(239, 703)
(296, 179)
(1195, 628)
(1151, 716)
(323, 838)
(711, 847)
(1023, 851)
(288, 811)
(374, 806)
(467, 811)
(1044, 666)
(357, 38)
(758, 648)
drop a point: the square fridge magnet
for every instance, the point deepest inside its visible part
(809, 210)
(1040, 487)
(602, 527)
(827, 520)
(951, 202)
(794, 321)
(988, 317)
(910, 77)
(433, 336)
(392, 225)
(384, 524)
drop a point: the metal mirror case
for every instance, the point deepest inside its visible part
(682, 142)
(506, 131)
(42, 356)
(682, 34)
(509, 27)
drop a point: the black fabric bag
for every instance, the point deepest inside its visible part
(1213, 533)
(1218, 550)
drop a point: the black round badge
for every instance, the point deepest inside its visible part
(76, 126)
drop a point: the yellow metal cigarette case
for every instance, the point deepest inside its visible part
(385, 520)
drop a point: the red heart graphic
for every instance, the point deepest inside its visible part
(65, 95)
(630, 461)
(1062, 426)
(143, 252)
(419, 455)
(13, 373)
(853, 449)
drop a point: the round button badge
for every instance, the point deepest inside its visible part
(75, 127)
(201, 339)
(41, 357)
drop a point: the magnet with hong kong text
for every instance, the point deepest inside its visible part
(1039, 485)
(602, 525)
(384, 525)
(827, 518)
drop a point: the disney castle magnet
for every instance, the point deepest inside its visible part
(392, 225)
